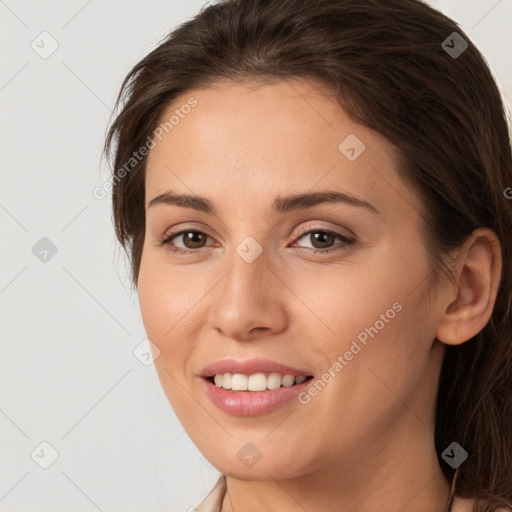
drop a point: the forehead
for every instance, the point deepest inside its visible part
(255, 140)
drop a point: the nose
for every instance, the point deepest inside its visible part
(250, 301)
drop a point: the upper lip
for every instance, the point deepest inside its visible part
(250, 367)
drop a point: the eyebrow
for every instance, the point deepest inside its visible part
(280, 204)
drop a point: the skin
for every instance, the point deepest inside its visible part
(365, 442)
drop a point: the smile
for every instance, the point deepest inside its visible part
(255, 382)
(252, 387)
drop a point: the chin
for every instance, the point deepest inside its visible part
(261, 471)
(246, 462)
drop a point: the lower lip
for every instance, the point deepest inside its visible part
(252, 403)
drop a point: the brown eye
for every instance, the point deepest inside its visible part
(193, 239)
(322, 240)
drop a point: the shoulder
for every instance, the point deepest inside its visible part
(463, 504)
(468, 504)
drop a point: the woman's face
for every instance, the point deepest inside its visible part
(333, 287)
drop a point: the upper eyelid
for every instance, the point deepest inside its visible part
(308, 229)
(301, 231)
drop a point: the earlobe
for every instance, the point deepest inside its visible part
(477, 273)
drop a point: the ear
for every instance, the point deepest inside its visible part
(477, 274)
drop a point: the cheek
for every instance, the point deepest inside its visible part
(152, 297)
(162, 306)
(167, 297)
(374, 317)
(341, 301)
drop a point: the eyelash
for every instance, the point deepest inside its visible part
(346, 241)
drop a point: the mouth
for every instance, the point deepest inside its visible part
(261, 381)
(253, 387)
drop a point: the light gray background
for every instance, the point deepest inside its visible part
(69, 325)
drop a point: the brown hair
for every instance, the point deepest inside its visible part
(392, 70)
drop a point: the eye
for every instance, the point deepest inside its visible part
(192, 239)
(322, 240)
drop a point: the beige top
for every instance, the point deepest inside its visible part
(213, 502)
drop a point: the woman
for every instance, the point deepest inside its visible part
(314, 199)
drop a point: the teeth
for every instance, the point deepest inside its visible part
(239, 382)
(226, 380)
(256, 381)
(274, 381)
(288, 380)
